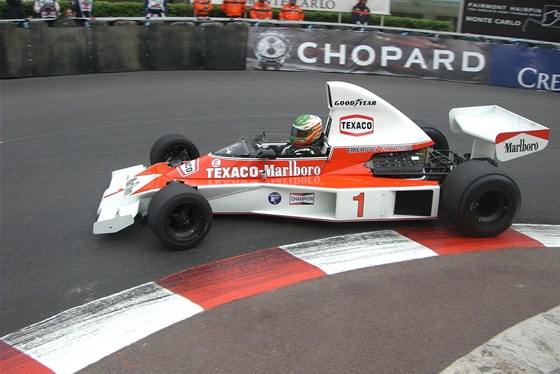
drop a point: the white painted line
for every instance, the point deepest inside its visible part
(344, 253)
(532, 346)
(76, 338)
(548, 235)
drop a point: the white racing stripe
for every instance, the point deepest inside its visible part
(72, 340)
(548, 235)
(344, 253)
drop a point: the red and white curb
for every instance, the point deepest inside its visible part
(74, 339)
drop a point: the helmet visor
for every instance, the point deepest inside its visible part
(299, 133)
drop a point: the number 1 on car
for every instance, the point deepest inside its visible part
(360, 199)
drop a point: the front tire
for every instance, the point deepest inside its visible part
(482, 200)
(173, 148)
(179, 216)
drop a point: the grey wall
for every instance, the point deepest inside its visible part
(65, 47)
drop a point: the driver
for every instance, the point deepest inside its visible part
(306, 137)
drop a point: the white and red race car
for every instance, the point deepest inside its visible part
(376, 164)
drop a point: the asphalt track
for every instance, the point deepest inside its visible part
(414, 317)
(62, 136)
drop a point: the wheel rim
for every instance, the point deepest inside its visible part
(176, 152)
(490, 207)
(185, 222)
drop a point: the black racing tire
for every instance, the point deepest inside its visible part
(440, 141)
(482, 200)
(173, 147)
(179, 216)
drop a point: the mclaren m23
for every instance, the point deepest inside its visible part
(375, 164)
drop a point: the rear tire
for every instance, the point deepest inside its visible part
(440, 141)
(173, 148)
(482, 200)
(179, 216)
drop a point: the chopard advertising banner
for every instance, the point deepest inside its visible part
(535, 19)
(524, 67)
(368, 52)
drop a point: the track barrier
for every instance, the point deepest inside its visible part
(101, 47)
(31, 48)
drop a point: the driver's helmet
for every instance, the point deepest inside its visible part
(306, 129)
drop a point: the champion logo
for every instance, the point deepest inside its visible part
(302, 198)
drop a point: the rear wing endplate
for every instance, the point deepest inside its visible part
(498, 133)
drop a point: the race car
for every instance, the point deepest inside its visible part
(374, 164)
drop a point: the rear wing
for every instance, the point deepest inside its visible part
(498, 133)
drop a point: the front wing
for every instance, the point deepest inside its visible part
(119, 204)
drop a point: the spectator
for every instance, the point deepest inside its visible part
(291, 12)
(155, 8)
(261, 10)
(82, 8)
(234, 8)
(47, 9)
(13, 9)
(68, 13)
(202, 8)
(360, 13)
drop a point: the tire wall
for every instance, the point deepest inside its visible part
(63, 48)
